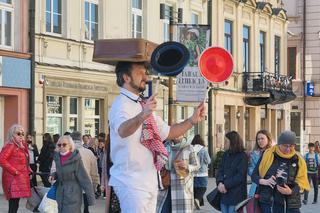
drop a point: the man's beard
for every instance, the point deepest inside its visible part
(136, 87)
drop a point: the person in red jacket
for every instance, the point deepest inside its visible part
(14, 158)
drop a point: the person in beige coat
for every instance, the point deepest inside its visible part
(90, 165)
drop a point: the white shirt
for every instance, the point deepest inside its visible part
(132, 162)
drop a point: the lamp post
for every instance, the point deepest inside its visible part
(174, 18)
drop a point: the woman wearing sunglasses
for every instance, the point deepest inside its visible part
(71, 178)
(14, 159)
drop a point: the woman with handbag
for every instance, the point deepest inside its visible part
(14, 160)
(71, 178)
(178, 197)
(232, 174)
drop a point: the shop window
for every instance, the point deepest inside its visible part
(54, 115)
(91, 117)
(73, 115)
(295, 122)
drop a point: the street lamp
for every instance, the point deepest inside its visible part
(174, 18)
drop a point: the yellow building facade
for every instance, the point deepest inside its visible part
(74, 93)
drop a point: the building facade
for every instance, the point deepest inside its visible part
(15, 75)
(255, 33)
(71, 91)
(304, 67)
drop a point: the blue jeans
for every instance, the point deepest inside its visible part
(227, 208)
(266, 208)
(167, 206)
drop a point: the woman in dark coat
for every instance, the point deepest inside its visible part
(14, 158)
(45, 158)
(71, 178)
(232, 174)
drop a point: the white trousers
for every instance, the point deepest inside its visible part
(136, 201)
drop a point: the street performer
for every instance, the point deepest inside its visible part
(136, 135)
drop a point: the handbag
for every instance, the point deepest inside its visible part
(214, 199)
(52, 192)
(48, 205)
(165, 178)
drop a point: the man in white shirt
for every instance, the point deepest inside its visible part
(133, 174)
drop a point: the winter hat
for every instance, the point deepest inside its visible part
(287, 137)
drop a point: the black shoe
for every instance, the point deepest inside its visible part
(314, 202)
(305, 202)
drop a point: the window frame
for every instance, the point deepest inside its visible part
(4, 8)
(228, 37)
(51, 19)
(91, 2)
(135, 12)
(196, 14)
(277, 53)
(246, 49)
(262, 51)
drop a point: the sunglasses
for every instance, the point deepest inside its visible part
(62, 144)
(20, 133)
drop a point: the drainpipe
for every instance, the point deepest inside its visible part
(32, 66)
(304, 64)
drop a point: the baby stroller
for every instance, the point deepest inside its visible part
(37, 193)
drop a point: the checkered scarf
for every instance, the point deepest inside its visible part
(150, 138)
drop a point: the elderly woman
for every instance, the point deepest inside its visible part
(281, 174)
(14, 159)
(71, 178)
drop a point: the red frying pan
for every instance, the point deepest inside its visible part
(215, 64)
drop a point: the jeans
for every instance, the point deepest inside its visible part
(13, 205)
(227, 208)
(314, 179)
(266, 208)
(167, 203)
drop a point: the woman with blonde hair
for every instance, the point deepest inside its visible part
(71, 178)
(14, 158)
(263, 142)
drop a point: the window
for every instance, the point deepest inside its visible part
(54, 114)
(292, 52)
(73, 115)
(194, 18)
(262, 51)
(6, 24)
(91, 21)
(277, 55)
(228, 35)
(136, 18)
(246, 49)
(166, 22)
(227, 119)
(6, 1)
(91, 117)
(53, 16)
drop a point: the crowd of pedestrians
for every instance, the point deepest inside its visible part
(126, 165)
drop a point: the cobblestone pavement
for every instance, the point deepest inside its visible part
(99, 207)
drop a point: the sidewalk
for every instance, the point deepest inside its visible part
(100, 204)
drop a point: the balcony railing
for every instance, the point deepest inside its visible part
(275, 88)
(258, 82)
